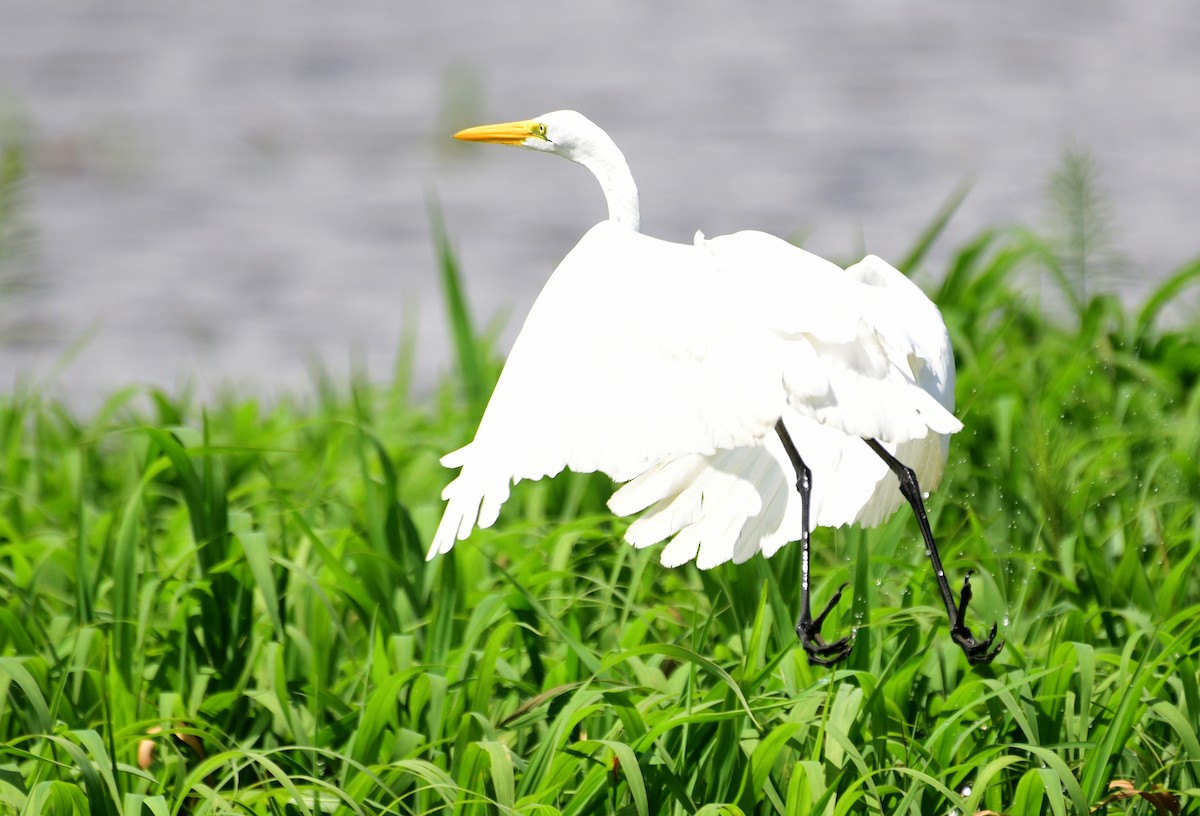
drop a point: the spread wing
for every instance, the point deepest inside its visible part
(734, 503)
(640, 353)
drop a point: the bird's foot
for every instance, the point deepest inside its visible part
(977, 651)
(808, 630)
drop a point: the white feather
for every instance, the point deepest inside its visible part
(668, 365)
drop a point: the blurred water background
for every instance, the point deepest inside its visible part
(218, 194)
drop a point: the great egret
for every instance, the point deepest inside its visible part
(704, 375)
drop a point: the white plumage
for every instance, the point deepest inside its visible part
(667, 366)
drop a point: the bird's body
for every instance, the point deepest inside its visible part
(707, 377)
(646, 359)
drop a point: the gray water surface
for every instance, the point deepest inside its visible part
(220, 193)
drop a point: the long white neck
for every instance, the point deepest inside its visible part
(573, 136)
(590, 146)
(611, 170)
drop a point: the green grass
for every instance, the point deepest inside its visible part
(245, 586)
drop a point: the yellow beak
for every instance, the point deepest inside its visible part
(508, 133)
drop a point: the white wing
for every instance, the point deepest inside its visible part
(731, 504)
(640, 354)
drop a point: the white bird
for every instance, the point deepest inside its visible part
(710, 378)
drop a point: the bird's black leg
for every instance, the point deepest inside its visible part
(977, 651)
(808, 628)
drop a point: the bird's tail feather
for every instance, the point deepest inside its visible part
(731, 504)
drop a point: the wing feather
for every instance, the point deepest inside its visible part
(850, 483)
(667, 365)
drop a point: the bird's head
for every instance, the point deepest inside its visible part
(567, 133)
(572, 136)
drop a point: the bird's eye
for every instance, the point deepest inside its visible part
(539, 130)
